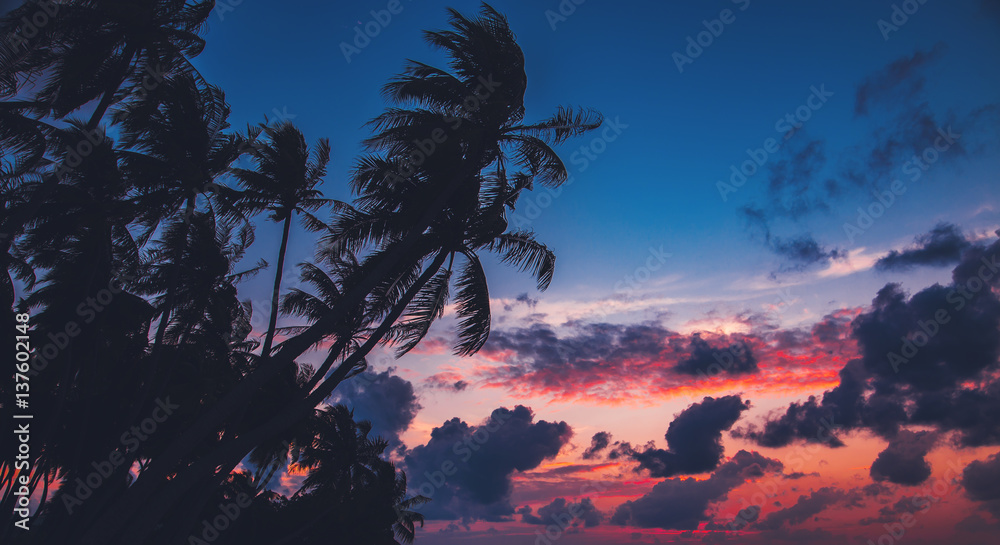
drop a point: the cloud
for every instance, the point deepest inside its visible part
(598, 442)
(929, 359)
(891, 513)
(564, 514)
(981, 479)
(898, 81)
(814, 420)
(682, 503)
(803, 251)
(875, 489)
(800, 251)
(792, 188)
(736, 359)
(636, 363)
(694, 438)
(384, 399)
(803, 509)
(522, 299)
(903, 462)
(943, 245)
(467, 470)
(447, 380)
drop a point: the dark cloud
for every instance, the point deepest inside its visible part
(903, 461)
(598, 443)
(943, 245)
(815, 420)
(875, 489)
(743, 518)
(736, 359)
(791, 188)
(799, 252)
(564, 514)
(522, 299)
(694, 438)
(467, 470)
(798, 475)
(908, 136)
(832, 329)
(891, 513)
(803, 250)
(898, 81)
(981, 479)
(975, 524)
(681, 503)
(601, 354)
(591, 351)
(928, 360)
(446, 381)
(803, 509)
(621, 450)
(384, 399)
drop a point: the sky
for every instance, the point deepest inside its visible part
(774, 316)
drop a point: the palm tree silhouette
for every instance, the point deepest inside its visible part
(95, 49)
(283, 182)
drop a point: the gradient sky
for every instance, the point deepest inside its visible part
(768, 267)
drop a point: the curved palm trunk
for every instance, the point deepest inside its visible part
(226, 455)
(272, 322)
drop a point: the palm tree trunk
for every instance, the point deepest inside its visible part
(142, 521)
(272, 322)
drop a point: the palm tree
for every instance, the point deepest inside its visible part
(175, 148)
(80, 242)
(90, 49)
(349, 488)
(283, 183)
